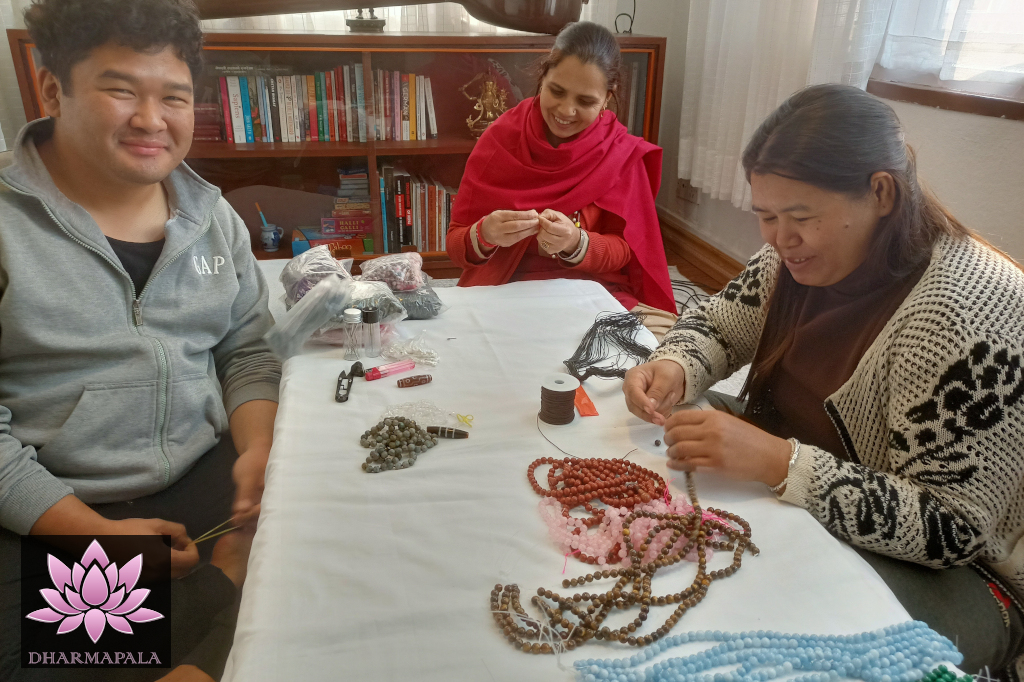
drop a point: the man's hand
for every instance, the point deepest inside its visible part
(248, 472)
(71, 516)
(653, 388)
(186, 673)
(709, 439)
(505, 228)
(252, 430)
(184, 555)
(558, 233)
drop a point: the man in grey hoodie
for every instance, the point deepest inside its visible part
(131, 308)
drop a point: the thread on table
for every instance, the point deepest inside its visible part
(569, 454)
(545, 632)
(609, 347)
(557, 407)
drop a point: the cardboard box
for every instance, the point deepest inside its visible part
(305, 238)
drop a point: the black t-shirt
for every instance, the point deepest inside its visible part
(138, 259)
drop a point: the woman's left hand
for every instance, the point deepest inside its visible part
(557, 233)
(717, 441)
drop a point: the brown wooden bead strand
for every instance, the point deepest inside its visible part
(577, 482)
(574, 620)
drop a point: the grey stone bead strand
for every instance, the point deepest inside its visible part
(395, 443)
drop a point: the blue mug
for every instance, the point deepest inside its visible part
(271, 237)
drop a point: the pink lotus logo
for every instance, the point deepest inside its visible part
(94, 592)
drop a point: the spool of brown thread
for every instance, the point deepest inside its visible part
(557, 399)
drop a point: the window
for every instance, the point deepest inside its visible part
(966, 47)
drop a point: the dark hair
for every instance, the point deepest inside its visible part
(835, 137)
(66, 31)
(591, 44)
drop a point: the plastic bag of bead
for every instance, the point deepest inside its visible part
(415, 348)
(306, 270)
(422, 303)
(365, 295)
(400, 271)
(315, 310)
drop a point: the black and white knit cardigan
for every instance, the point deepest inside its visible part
(932, 418)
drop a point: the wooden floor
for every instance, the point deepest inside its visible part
(698, 261)
(693, 272)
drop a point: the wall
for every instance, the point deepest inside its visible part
(975, 165)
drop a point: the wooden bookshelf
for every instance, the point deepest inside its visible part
(450, 60)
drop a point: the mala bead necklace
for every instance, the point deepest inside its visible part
(575, 482)
(605, 540)
(572, 621)
(899, 653)
(395, 444)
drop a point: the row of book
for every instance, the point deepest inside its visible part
(403, 106)
(261, 104)
(416, 211)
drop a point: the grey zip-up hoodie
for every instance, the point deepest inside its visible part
(106, 392)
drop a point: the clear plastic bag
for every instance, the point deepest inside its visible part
(318, 314)
(306, 270)
(415, 348)
(421, 303)
(400, 271)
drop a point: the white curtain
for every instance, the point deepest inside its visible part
(961, 44)
(745, 57)
(12, 116)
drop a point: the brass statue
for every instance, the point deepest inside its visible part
(491, 103)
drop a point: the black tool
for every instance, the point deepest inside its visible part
(345, 381)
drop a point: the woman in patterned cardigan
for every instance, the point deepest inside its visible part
(886, 390)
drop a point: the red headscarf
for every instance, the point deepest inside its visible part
(514, 167)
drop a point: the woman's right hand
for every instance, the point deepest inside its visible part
(653, 388)
(505, 228)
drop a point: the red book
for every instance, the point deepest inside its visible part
(229, 133)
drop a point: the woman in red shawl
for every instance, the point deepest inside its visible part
(556, 187)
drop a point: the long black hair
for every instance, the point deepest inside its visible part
(836, 137)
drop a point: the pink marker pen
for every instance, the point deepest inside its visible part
(387, 370)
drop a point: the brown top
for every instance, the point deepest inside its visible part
(834, 328)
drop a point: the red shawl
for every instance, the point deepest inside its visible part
(514, 167)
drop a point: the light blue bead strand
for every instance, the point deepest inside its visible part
(899, 653)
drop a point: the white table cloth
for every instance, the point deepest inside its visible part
(388, 576)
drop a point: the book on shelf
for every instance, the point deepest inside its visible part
(318, 98)
(421, 110)
(332, 119)
(360, 104)
(413, 129)
(405, 108)
(415, 210)
(243, 85)
(229, 133)
(339, 104)
(431, 116)
(275, 108)
(335, 105)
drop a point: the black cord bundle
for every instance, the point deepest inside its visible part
(611, 339)
(691, 294)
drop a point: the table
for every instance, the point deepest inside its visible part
(388, 576)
